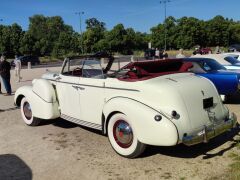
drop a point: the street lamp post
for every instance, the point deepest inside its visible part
(80, 13)
(165, 17)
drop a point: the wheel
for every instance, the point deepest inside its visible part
(26, 113)
(122, 137)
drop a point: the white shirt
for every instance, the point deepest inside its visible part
(180, 56)
(17, 63)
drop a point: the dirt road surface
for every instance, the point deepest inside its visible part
(62, 150)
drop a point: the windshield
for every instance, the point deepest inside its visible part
(212, 65)
(231, 60)
(88, 68)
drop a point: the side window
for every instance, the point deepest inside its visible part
(92, 69)
(72, 67)
(206, 67)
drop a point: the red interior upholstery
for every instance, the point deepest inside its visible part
(149, 69)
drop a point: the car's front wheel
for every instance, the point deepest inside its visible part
(123, 138)
(26, 112)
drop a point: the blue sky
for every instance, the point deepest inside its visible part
(139, 14)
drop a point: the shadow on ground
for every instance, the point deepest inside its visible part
(9, 109)
(12, 167)
(182, 151)
(59, 122)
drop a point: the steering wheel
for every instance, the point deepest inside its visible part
(76, 71)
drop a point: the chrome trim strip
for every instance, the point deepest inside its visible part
(42, 98)
(81, 122)
(160, 112)
(123, 89)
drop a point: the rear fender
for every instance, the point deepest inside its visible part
(141, 117)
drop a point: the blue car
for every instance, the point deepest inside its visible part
(226, 82)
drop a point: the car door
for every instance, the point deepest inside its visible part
(91, 89)
(67, 91)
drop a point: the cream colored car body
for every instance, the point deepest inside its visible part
(92, 101)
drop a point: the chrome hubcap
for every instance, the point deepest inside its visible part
(27, 110)
(123, 134)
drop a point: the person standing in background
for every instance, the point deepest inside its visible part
(165, 54)
(18, 67)
(157, 53)
(5, 68)
(180, 54)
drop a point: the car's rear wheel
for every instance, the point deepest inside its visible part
(26, 112)
(123, 138)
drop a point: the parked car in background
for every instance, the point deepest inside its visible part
(229, 62)
(226, 82)
(234, 47)
(236, 55)
(25, 59)
(151, 102)
(149, 54)
(203, 51)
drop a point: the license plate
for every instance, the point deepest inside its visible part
(207, 103)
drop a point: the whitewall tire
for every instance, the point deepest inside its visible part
(122, 137)
(26, 113)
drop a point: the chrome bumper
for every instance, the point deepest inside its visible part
(208, 132)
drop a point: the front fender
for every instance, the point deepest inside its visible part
(40, 108)
(141, 118)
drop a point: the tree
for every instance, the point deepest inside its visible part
(26, 44)
(115, 37)
(46, 31)
(190, 32)
(234, 33)
(218, 31)
(93, 23)
(94, 33)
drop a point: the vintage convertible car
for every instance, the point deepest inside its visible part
(226, 82)
(144, 103)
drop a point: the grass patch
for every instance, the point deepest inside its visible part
(173, 53)
(47, 59)
(234, 169)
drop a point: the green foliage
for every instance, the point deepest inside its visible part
(50, 36)
(188, 32)
(95, 32)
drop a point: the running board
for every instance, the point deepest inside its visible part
(81, 122)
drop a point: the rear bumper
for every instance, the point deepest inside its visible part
(208, 132)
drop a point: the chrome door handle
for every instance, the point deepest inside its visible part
(81, 88)
(75, 87)
(78, 87)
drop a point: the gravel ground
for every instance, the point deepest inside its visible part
(62, 150)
